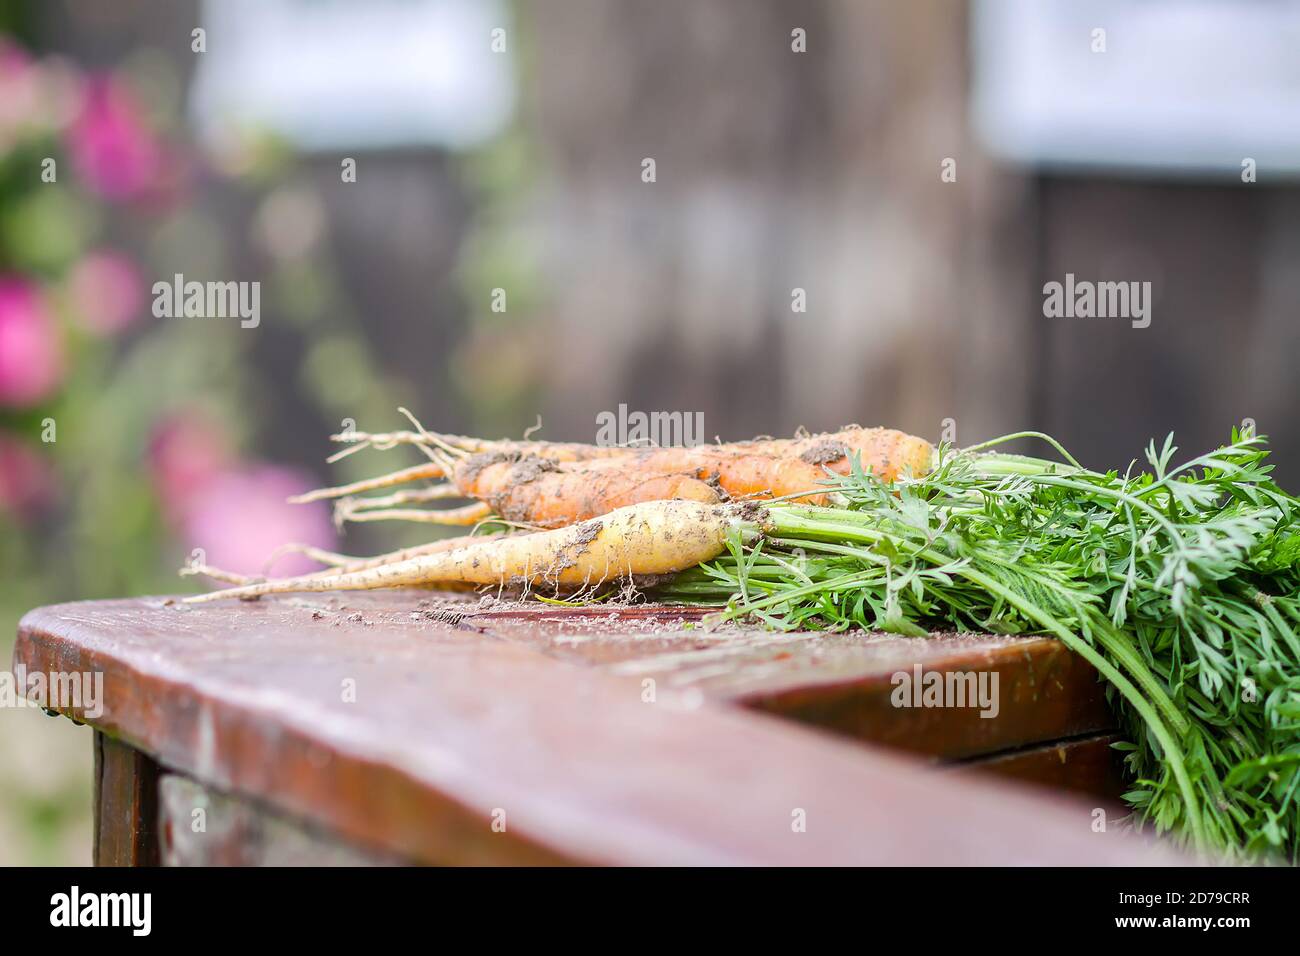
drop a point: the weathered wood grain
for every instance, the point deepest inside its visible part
(439, 732)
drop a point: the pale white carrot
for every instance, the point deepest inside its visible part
(643, 540)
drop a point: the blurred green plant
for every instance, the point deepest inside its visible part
(123, 437)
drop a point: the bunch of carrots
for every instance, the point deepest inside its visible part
(586, 517)
(1179, 583)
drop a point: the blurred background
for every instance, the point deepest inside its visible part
(854, 207)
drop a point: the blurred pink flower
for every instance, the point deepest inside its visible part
(107, 292)
(237, 513)
(113, 149)
(26, 478)
(31, 351)
(15, 62)
(240, 517)
(186, 451)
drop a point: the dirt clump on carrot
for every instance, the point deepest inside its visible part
(825, 452)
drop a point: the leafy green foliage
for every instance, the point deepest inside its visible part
(1179, 583)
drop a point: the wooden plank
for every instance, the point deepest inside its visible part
(845, 683)
(200, 826)
(126, 805)
(441, 741)
(1088, 766)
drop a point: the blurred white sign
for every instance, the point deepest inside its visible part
(329, 74)
(1190, 86)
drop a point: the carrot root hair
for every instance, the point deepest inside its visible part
(400, 477)
(199, 569)
(319, 555)
(455, 517)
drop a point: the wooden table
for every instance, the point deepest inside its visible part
(417, 727)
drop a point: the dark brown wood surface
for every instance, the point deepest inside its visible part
(840, 682)
(453, 731)
(126, 805)
(1088, 766)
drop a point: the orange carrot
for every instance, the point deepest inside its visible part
(739, 474)
(887, 452)
(546, 494)
(548, 485)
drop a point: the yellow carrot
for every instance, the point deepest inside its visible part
(637, 541)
